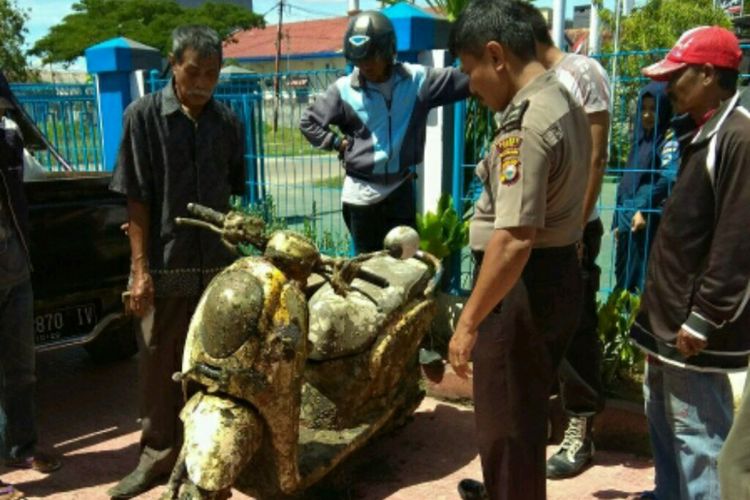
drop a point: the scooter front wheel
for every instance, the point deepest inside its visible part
(189, 491)
(221, 436)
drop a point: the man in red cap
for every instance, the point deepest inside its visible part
(694, 322)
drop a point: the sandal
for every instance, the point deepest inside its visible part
(9, 492)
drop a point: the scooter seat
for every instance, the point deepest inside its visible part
(342, 326)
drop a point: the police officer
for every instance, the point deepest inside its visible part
(527, 292)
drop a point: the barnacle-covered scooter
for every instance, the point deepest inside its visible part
(288, 377)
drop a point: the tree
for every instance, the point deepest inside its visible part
(147, 21)
(449, 8)
(12, 37)
(659, 23)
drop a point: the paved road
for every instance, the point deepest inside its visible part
(87, 413)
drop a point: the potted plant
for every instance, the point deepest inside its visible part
(443, 233)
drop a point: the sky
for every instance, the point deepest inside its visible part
(43, 14)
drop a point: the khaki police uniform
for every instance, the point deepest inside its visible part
(534, 176)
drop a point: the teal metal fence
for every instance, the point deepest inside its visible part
(291, 183)
(68, 115)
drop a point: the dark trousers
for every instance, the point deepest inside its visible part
(580, 371)
(161, 342)
(18, 433)
(516, 358)
(368, 224)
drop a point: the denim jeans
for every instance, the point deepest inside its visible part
(17, 371)
(689, 416)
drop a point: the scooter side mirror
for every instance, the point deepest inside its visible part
(402, 242)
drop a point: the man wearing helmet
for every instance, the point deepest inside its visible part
(381, 110)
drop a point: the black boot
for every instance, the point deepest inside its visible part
(575, 451)
(469, 489)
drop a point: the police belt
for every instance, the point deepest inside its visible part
(554, 253)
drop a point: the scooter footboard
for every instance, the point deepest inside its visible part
(221, 435)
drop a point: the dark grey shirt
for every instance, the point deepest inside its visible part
(168, 160)
(14, 261)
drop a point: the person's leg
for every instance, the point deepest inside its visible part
(661, 435)
(17, 359)
(700, 411)
(366, 225)
(400, 208)
(580, 372)
(622, 249)
(509, 407)
(734, 460)
(519, 347)
(161, 341)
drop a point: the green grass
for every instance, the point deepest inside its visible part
(287, 141)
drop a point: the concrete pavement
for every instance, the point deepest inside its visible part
(87, 413)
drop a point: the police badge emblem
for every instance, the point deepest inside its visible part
(509, 160)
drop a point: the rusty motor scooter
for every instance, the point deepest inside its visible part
(295, 360)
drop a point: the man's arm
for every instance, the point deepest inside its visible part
(446, 86)
(599, 125)
(315, 121)
(132, 178)
(505, 257)
(141, 286)
(723, 291)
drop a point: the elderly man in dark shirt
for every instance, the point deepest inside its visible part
(179, 145)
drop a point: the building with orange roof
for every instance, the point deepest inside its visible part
(305, 45)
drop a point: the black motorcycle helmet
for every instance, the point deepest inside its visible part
(370, 34)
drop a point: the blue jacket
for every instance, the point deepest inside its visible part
(643, 186)
(386, 138)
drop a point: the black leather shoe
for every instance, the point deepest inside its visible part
(139, 481)
(469, 489)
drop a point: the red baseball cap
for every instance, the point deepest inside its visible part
(701, 45)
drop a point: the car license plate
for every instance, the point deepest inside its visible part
(64, 322)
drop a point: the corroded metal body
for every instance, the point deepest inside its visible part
(282, 397)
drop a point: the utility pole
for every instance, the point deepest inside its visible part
(594, 28)
(276, 83)
(558, 22)
(353, 9)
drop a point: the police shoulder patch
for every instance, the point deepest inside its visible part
(509, 158)
(513, 117)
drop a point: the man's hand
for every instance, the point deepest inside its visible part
(459, 349)
(638, 222)
(141, 293)
(344, 145)
(689, 345)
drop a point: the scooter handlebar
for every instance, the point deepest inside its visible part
(206, 214)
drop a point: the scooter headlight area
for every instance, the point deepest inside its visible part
(231, 316)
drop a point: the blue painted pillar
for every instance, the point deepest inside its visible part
(113, 62)
(416, 30)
